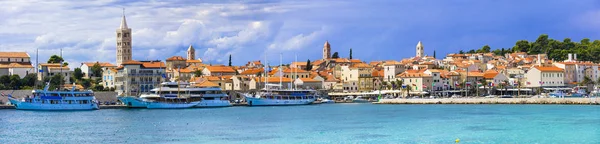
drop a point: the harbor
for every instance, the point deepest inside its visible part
(554, 101)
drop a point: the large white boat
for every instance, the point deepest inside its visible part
(279, 97)
(57, 100)
(181, 95)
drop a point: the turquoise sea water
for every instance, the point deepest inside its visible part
(328, 123)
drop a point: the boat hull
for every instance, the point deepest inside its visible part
(20, 105)
(132, 102)
(276, 102)
(213, 103)
(164, 105)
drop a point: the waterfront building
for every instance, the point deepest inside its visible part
(254, 64)
(15, 63)
(417, 80)
(123, 42)
(259, 82)
(240, 82)
(51, 69)
(357, 77)
(495, 77)
(136, 77)
(218, 71)
(436, 77)
(308, 83)
(391, 69)
(108, 77)
(86, 68)
(294, 73)
(253, 72)
(575, 71)
(299, 65)
(549, 76)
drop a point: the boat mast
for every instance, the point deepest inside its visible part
(296, 72)
(265, 69)
(161, 77)
(179, 74)
(279, 71)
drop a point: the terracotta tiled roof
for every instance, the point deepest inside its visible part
(153, 64)
(252, 71)
(14, 55)
(299, 63)
(176, 58)
(490, 74)
(309, 80)
(294, 70)
(16, 65)
(360, 65)
(193, 61)
(273, 79)
(50, 64)
(206, 84)
(342, 60)
(549, 69)
(222, 69)
(102, 64)
(412, 75)
(131, 62)
(355, 61)
(377, 73)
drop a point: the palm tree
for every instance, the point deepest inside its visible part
(408, 88)
(587, 81)
(484, 83)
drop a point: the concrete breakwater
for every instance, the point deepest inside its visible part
(575, 101)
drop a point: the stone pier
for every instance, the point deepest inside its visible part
(575, 101)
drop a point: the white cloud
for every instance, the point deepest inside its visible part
(299, 41)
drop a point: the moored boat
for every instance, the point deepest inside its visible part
(56, 100)
(132, 101)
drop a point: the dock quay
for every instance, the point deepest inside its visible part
(565, 101)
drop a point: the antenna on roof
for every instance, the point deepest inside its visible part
(123, 11)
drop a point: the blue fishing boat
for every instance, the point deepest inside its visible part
(132, 101)
(56, 100)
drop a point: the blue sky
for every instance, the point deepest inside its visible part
(375, 30)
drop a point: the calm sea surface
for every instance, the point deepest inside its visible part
(328, 123)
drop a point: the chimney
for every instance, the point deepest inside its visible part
(570, 57)
(575, 57)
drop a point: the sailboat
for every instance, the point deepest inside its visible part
(275, 95)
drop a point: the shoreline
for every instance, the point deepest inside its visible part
(549, 101)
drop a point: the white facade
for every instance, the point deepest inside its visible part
(545, 78)
(391, 70)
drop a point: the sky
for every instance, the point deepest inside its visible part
(252, 30)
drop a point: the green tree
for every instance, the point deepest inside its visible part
(5, 80)
(77, 74)
(461, 52)
(350, 53)
(57, 81)
(198, 73)
(96, 70)
(229, 59)
(434, 54)
(55, 59)
(308, 65)
(29, 80)
(335, 55)
(484, 49)
(86, 83)
(65, 64)
(15, 82)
